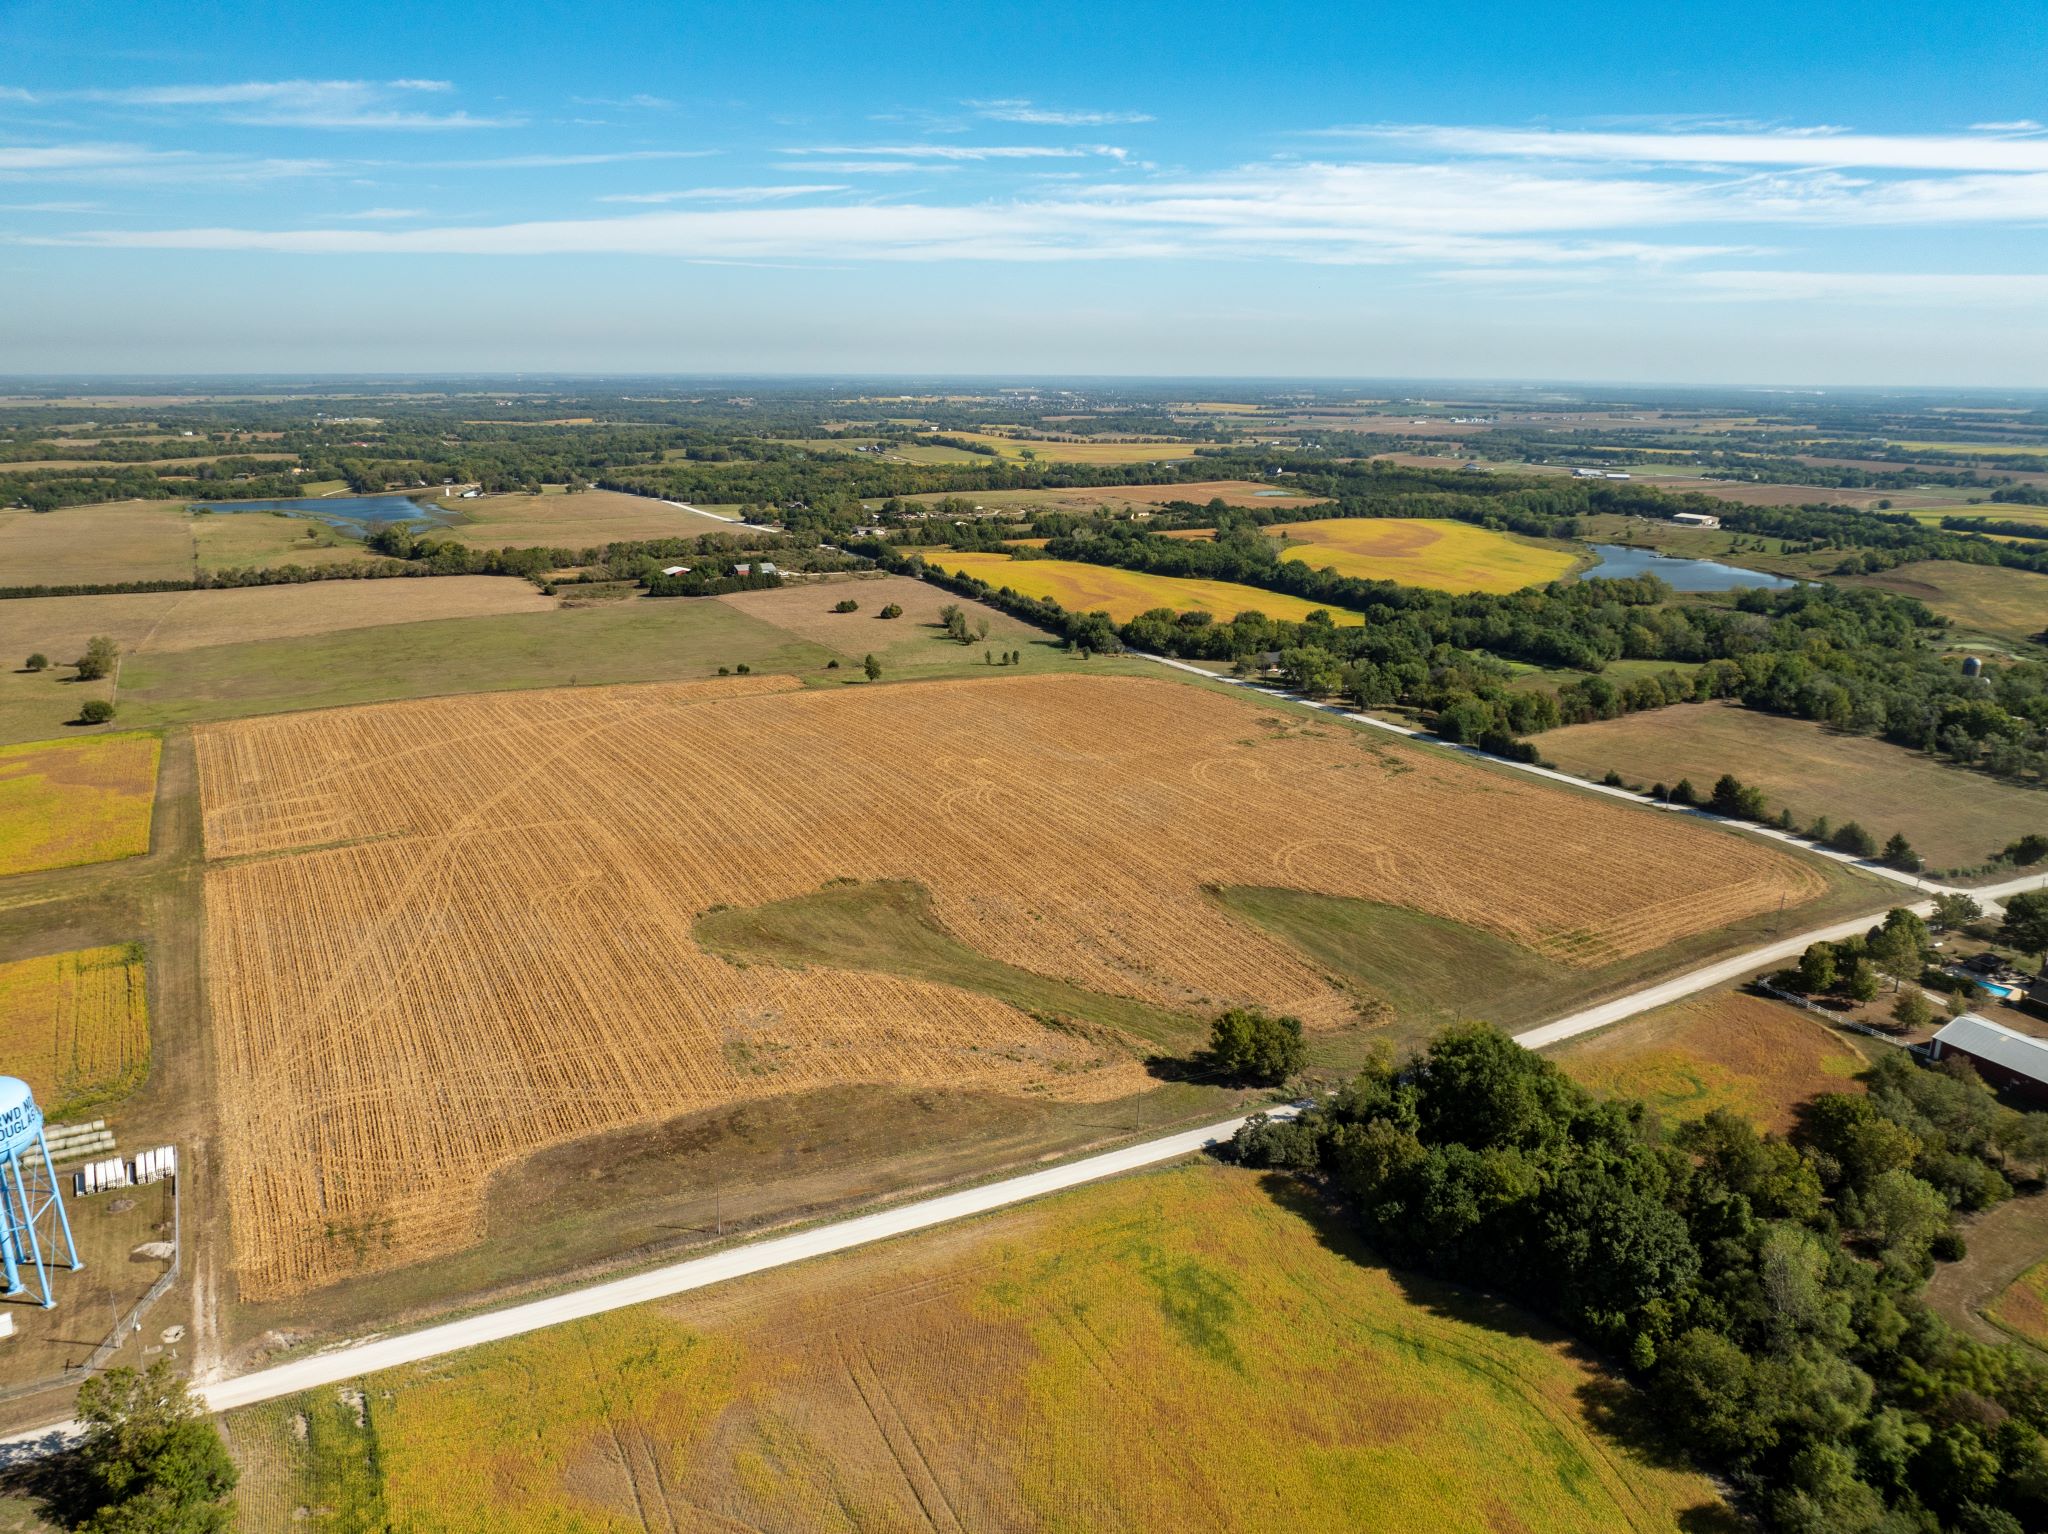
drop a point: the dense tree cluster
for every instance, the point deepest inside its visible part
(1765, 1293)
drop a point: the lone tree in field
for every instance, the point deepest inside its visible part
(873, 668)
(98, 659)
(95, 711)
(149, 1460)
(2026, 922)
(38, 662)
(1248, 1046)
(893, 610)
(846, 605)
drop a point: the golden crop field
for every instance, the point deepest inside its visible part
(1419, 551)
(411, 990)
(1759, 1057)
(75, 1026)
(1166, 1352)
(1123, 594)
(87, 800)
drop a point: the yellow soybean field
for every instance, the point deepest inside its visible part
(1172, 1351)
(75, 1026)
(1123, 594)
(1419, 551)
(76, 801)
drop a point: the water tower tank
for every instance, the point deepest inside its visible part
(29, 1198)
(1973, 666)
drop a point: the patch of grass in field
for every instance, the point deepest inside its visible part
(890, 927)
(1431, 972)
(1420, 551)
(1953, 818)
(1759, 1057)
(257, 540)
(1123, 594)
(1089, 1362)
(75, 1026)
(1428, 970)
(650, 640)
(65, 802)
(1983, 599)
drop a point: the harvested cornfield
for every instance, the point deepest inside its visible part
(75, 1026)
(1176, 1351)
(64, 802)
(441, 979)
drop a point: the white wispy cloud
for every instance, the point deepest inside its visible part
(1817, 147)
(639, 101)
(94, 162)
(1018, 110)
(2018, 125)
(336, 104)
(864, 167)
(551, 161)
(725, 194)
(966, 151)
(379, 215)
(1934, 289)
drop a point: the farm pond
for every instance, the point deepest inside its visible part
(355, 515)
(1620, 562)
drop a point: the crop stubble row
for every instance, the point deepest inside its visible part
(488, 949)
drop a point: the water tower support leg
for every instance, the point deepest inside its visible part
(7, 1238)
(57, 1198)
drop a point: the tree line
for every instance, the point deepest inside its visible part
(1764, 1292)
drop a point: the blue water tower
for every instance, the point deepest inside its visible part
(28, 1193)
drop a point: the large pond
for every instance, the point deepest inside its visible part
(1619, 562)
(356, 515)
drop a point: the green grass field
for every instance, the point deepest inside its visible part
(1953, 818)
(1178, 1350)
(1981, 599)
(638, 641)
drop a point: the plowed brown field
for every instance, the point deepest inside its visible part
(480, 941)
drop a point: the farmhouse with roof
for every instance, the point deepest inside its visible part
(2004, 1057)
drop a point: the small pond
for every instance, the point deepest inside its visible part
(355, 515)
(1619, 562)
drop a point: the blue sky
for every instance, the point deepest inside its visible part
(1698, 193)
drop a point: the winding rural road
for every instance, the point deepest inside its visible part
(352, 1359)
(1771, 833)
(349, 1360)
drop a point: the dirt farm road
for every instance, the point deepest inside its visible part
(349, 1360)
(1919, 882)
